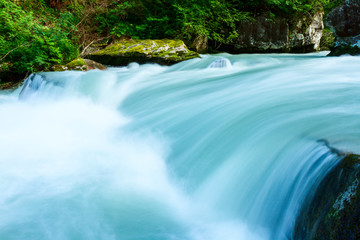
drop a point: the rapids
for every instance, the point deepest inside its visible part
(223, 147)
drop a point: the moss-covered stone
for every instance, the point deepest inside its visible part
(79, 64)
(327, 39)
(333, 210)
(163, 51)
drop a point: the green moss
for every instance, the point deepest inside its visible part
(327, 39)
(164, 51)
(59, 68)
(76, 63)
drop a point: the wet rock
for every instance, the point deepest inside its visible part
(344, 21)
(79, 64)
(332, 211)
(262, 35)
(220, 63)
(143, 51)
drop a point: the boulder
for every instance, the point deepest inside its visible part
(344, 21)
(143, 51)
(79, 64)
(333, 210)
(262, 34)
(276, 34)
(200, 44)
(306, 34)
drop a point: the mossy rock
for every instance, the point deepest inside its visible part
(333, 210)
(164, 52)
(79, 64)
(327, 39)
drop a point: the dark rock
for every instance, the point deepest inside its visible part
(333, 210)
(11, 80)
(344, 48)
(276, 34)
(143, 51)
(344, 21)
(261, 35)
(79, 64)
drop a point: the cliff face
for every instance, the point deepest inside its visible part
(266, 34)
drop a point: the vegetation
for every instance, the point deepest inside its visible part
(29, 43)
(36, 34)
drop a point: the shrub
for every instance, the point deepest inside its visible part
(30, 44)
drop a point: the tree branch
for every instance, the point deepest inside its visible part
(22, 45)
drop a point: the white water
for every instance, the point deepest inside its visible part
(208, 149)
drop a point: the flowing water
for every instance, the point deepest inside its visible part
(223, 147)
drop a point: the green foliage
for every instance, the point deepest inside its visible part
(215, 19)
(327, 39)
(28, 44)
(138, 19)
(331, 4)
(187, 19)
(35, 34)
(297, 6)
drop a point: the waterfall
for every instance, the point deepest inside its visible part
(222, 147)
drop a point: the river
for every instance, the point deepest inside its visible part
(222, 147)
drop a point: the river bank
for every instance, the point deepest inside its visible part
(40, 34)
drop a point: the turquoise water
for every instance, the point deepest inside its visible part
(223, 147)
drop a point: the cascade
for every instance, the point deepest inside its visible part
(222, 147)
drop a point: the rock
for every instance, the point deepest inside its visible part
(327, 39)
(79, 64)
(262, 35)
(333, 211)
(276, 34)
(143, 51)
(10, 85)
(10, 79)
(307, 33)
(344, 21)
(200, 44)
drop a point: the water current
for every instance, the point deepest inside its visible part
(222, 147)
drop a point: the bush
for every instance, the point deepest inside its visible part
(29, 44)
